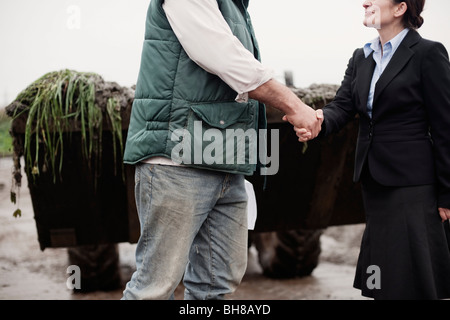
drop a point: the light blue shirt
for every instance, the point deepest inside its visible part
(381, 60)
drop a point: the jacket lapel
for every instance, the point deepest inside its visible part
(397, 63)
(364, 79)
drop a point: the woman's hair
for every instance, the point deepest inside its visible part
(412, 18)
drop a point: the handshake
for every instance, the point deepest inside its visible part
(307, 122)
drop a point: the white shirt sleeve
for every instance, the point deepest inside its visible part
(208, 41)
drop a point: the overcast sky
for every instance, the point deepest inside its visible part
(314, 39)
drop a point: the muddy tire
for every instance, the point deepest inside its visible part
(99, 267)
(288, 254)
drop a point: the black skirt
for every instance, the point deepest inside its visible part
(405, 252)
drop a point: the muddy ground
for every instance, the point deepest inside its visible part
(27, 273)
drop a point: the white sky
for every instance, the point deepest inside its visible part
(314, 38)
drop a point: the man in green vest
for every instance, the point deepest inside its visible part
(201, 88)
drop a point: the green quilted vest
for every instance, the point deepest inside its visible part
(186, 114)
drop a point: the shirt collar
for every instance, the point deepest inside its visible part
(375, 44)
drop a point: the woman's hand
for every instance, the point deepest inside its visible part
(303, 134)
(445, 214)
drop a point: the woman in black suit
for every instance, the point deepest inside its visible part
(399, 84)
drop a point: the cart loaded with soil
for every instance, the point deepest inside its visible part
(69, 130)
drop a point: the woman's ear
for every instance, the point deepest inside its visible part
(401, 9)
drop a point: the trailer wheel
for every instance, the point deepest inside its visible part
(99, 266)
(288, 254)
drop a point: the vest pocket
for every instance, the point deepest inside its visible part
(222, 136)
(224, 115)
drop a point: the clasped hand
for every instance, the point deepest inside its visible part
(308, 124)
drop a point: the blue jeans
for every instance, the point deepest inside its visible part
(193, 227)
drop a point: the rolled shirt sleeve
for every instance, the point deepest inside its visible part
(209, 42)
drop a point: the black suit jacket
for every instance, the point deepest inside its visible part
(407, 141)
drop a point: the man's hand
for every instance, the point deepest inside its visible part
(444, 213)
(308, 120)
(296, 112)
(303, 133)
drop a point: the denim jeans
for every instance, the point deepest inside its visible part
(193, 228)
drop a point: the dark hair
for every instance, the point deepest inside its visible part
(412, 18)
